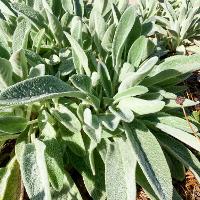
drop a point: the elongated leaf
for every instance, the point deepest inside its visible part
(181, 152)
(173, 121)
(151, 159)
(141, 106)
(35, 89)
(108, 38)
(136, 77)
(105, 79)
(74, 141)
(10, 182)
(55, 27)
(54, 162)
(19, 65)
(82, 82)
(131, 92)
(5, 73)
(20, 36)
(34, 171)
(135, 53)
(69, 191)
(123, 29)
(35, 17)
(123, 113)
(179, 64)
(180, 135)
(109, 121)
(120, 169)
(79, 52)
(12, 124)
(67, 118)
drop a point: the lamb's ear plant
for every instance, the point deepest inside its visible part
(178, 23)
(82, 92)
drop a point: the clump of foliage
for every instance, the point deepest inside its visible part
(82, 89)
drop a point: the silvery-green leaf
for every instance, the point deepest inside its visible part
(100, 25)
(125, 70)
(120, 166)
(109, 121)
(82, 82)
(135, 78)
(77, 29)
(5, 73)
(69, 191)
(123, 29)
(122, 5)
(131, 92)
(183, 136)
(74, 141)
(38, 70)
(19, 65)
(38, 39)
(173, 121)
(10, 182)
(139, 51)
(20, 36)
(175, 65)
(105, 79)
(67, 118)
(102, 6)
(108, 38)
(5, 9)
(79, 52)
(181, 152)
(55, 27)
(143, 182)
(34, 171)
(67, 6)
(54, 162)
(141, 106)
(171, 103)
(12, 124)
(36, 89)
(34, 16)
(33, 58)
(122, 112)
(116, 14)
(151, 159)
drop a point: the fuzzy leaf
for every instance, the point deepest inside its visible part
(79, 52)
(182, 153)
(5, 74)
(105, 79)
(34, 171)
(82, 82)
(10, 182)
(120, 169)
(123, 29)
(142, 107)
(131, 92)
(151, 159)
(34, 16)
(20, 36)
(35, 89)
(67, 118)
(54, 162)
(12, 124)
(183, 136)
(136, 77)
(123, 113)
